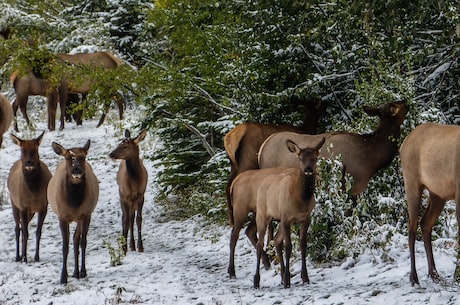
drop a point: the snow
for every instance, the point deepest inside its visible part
(185, 262)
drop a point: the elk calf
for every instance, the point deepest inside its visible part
(284, 194)
(73, 193)
(27, 184)
(430, 160)
(132, 182)
(6, 116)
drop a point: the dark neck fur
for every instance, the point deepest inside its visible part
(308, 186)
(133, 167)
(33, 179)
(75, 192)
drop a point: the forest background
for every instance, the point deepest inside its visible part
(199, 68)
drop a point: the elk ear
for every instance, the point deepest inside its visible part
(293, 147)
(88, 143)
(16, 140)
(58, 149)
(371, 111)
(394, 109)
(140, 137)
(127, 135)
(320, 144)
(40, 138)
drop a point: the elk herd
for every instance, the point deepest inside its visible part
(272, 177)
(72, 192)
(273, 172)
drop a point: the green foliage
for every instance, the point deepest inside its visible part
(201, 67)
(116, 254)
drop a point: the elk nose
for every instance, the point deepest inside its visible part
(29, 165)
(76, 172)
(308, 171)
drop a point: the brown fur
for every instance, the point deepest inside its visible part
(73, 194)
(430, 159)
(30, 84)
(6, 116)
(27, 183)
(242, 143)
(132, 182)
(283, 194)
(362, 155)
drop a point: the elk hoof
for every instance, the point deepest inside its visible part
(265, 261)
(257, 281)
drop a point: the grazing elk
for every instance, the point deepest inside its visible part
(32, 84)
(27, 183)
(430, 160)
(362, 155)
(6, 116)
(132, 182)
(73, 194)
(283, 194)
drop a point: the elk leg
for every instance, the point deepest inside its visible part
(238, 224)
(25, 234)
(413, 193)
(287, 252)
(38, 235)
(102, 119)
(17, 230)
(279, 251)
(52, 106)
(303, 250)
(65, 249)
(63, 104)
(24, 112)
(119, 102)
(125, 225)
(434, 208)
(251, 233)
(132, 244)
(84, 233)
(15, 106)
(261, 228)
(76, 250)
(140, 244)
(457, 213)
(104, 113)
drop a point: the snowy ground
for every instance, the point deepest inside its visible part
(185, 262)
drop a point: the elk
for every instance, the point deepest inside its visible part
(73, 193)
(32, 84)
(363, 155)
(6, 116)
(27, 183)
(132, 182)
(283, 194)
(242, 144)
(429, 160)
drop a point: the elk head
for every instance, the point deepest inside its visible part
(307, 156)
(29, 152)
(75, 159)
(128, 148)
